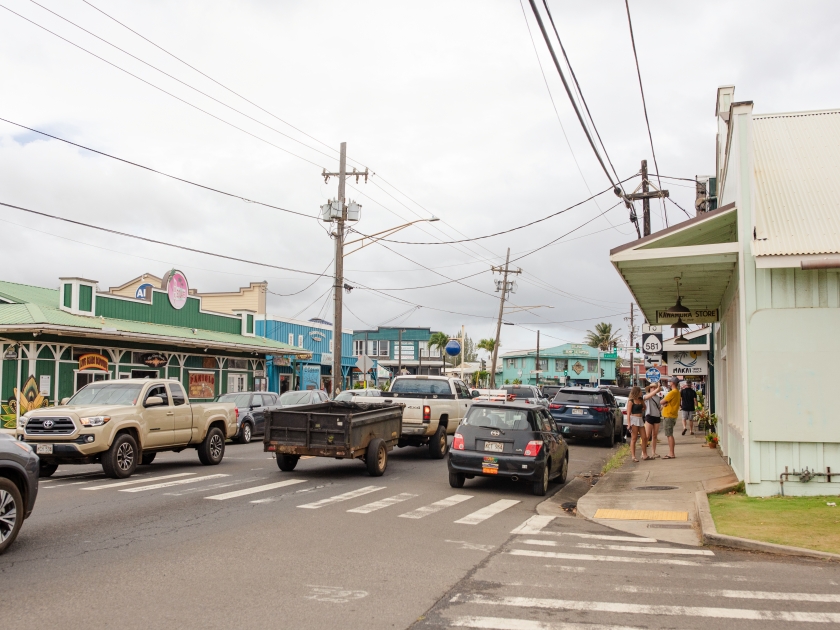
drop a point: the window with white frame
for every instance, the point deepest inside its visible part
(592, 365)
(300, 340)
(559, 365)
(291, 339)
(331, 345)
(511, 363)
(358, 347)
(378, 347)
(543, 365)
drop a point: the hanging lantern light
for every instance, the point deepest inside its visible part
(679, 325)
(678, 308)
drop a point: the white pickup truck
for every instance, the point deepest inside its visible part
(434, 407)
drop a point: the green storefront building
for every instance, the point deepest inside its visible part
(55, 341)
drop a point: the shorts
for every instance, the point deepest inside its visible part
(636, 421)
(652, 419)
(687, 415)
(668, 426)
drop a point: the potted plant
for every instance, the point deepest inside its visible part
(712, 440)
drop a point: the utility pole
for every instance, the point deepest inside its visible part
(538, 358)
(644, 194)
(399, 350)
(632, 349)
(463, 350)
(505, 288)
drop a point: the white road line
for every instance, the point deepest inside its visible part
(437, 506)
(134, 482)
(479, 516)
(632, 549)
(255, 489)
(771, 595)
(177, 482)
(593, 558)
(501, 623)
(658, 610)
(378, 505)
(533, 525)
(341, 497)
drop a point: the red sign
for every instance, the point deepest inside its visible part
(202, 385)
(92, 361)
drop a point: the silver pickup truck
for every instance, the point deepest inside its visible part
(123, 423)
(434, 407)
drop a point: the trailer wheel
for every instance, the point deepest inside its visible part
(376, 457)
(287, 463)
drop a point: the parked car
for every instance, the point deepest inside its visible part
(305, 397)
(358, 395)
(18, 487)
(519, 441)
(251, 412)
(550, 391)
(529, 394)
(587, 412)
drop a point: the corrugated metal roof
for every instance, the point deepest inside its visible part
(797, 179)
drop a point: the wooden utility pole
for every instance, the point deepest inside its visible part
(505, 288)
(644, 194)
(632, 349)
(538, 359)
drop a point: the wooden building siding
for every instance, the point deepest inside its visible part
(160, 311)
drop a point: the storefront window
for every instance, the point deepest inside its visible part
(592, 365)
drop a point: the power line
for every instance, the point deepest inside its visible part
(153, 170)
(323, 274)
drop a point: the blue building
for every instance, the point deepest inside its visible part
(313, 371)
(569, 364)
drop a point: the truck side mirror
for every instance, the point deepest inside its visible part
(153, 401)
(65, 400)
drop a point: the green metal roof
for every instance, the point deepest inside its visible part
(35, 305)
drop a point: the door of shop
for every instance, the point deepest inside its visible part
(237, 383)
(85, 377)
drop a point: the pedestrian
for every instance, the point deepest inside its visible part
(670, 407)
(653, 416)
(634, 410)
(688, 405)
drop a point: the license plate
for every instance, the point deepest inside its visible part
(490, 471)
(494, 447)
(44, 449)
(577, 412)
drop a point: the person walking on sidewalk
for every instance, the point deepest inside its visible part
(688, 403)
(653, 416)
(634, 410)
(670, 407)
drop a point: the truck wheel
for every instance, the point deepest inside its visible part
(11, 513)
(120, 461)
(212, 449)
(438, 445)
(541, 486)
(148, 458)
(456, 480)
(287, 463)
(376, 457)
(245, 433)
(46, 470)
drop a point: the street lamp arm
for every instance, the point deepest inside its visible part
(378, 236)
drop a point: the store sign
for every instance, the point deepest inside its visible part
(577, 349)
(282, 361)
(259, 373)
(155, 359)
(202, 384)
(11, 354)
(93, 362)
(208, 363)
(697, 316)
(144, 292)
(44, 384)
(407, 353)
(317, 335)
(177, 289)
(577, 367)
(326, 358)
(688, 362)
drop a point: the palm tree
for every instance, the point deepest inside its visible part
(487, 344)
(602, 337)
(438, 340)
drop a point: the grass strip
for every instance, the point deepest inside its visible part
(797, 521)
(617, 459)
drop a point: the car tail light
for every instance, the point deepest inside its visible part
(511, 396)
(533, 448)
(557, 406)
(601, 409)
(427, 413)
(236, 409)
(527, 401)
(458, 442)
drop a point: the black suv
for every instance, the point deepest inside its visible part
(251, 416)
(18, 487)
(587, 412)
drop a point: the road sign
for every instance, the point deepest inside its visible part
(651, 328)
(652, 343)
(653, 375)
(453, 347)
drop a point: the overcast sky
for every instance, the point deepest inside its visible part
(444, 101)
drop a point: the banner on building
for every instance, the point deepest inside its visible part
(202, 384)
(310, 377)
(688, 362)
(93, 361)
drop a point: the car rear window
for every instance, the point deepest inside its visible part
(500, 418)
(240, 400)
(594, 398)
(420, 386)
(294, 398)
(520, 392)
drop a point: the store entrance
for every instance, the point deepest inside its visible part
(83, 378)
(145, 374)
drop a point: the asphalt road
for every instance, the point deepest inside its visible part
(182, 545)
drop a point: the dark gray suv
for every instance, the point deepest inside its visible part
(251, 412)
(18, 487)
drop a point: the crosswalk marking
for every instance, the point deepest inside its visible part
(479, 516)
(437, 506)
(342, 497)
(633, 549)
(636, 608)
(255, 489)
(533, 525)
(134, 482)
(593, 558)
(771, 595)
(503, 623)
(378, 505)
(168, 484)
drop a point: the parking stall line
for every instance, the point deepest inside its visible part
(134, 482)
(437, 506)
(504, 623)
(255, 489)
(169, 484)
(594, 558)
(341, 497)
(479, 516)
(636, 608)
(378, 505)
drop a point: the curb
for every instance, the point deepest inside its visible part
(709, 535)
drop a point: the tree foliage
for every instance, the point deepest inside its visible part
(602, 337)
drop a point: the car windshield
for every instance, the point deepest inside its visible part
(520, 392)
(571, 396)
(345, 396)
(420, 386)
(294, 398)
(107, 394)
(240, 400)
(498, 418)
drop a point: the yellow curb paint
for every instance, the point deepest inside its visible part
(641, 515)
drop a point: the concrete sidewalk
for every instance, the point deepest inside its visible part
(695, 468)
